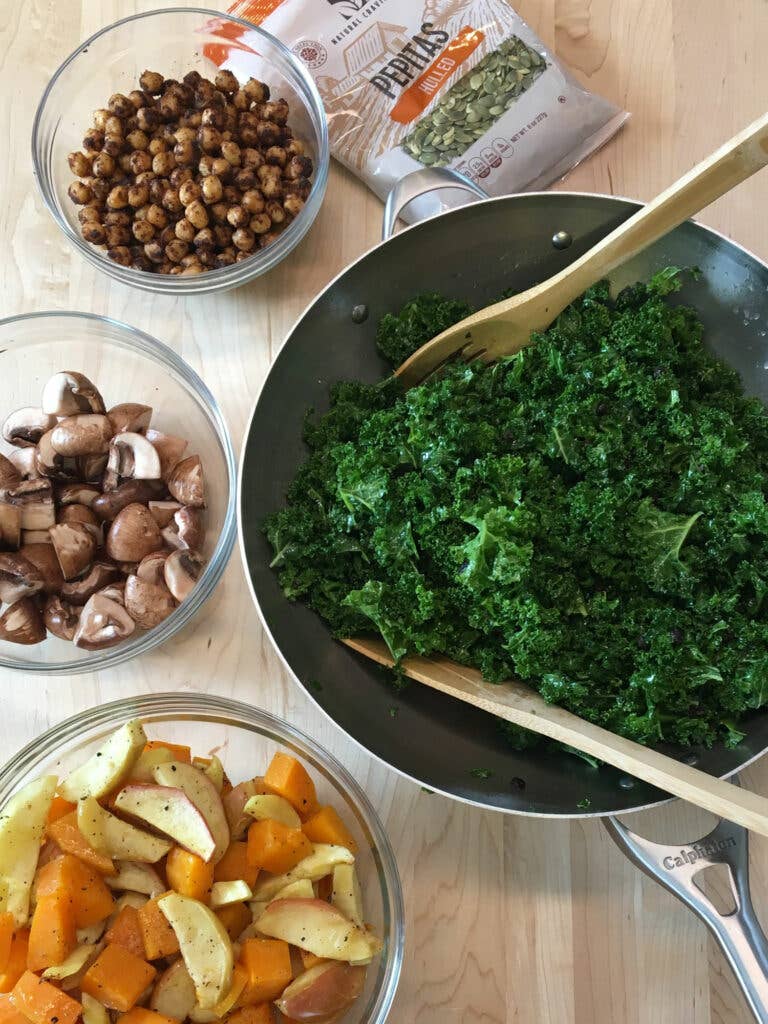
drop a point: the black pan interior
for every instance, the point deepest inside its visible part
(473, 253)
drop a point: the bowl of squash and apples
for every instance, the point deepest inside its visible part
(181, 857)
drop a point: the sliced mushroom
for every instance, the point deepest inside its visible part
(9, 474)
(131, 455)
(35, 499)
(10, 526)
(75, 547)
(69, 393)
(19, 578)
(77, 494)
(103, 623)
(108, 506)
(170, 449)
(24, 461)
(185, 482)
(164, 511)
(133, 535)
(78, 592)
(147, 603)
(43, 557)
(87, 434)
(60, 618)
(152, 567)
(86, 516)
(91, 467)
(22, 623)
(187, 530)
(25, 427)
(182, 571)
(131, 417)
(52, 464)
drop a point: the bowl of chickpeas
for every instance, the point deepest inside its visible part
(182, 151)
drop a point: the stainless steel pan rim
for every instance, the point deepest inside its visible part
(556, 197)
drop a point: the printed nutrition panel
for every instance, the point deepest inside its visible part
(473, 105)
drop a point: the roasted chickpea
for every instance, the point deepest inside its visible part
(163, 163)
(260, 223)
(185, 153)
(79, 164)
(93, 140)
(295, 147)
(268, 239)
(224, 259)
(251, 157)
(192, 79)
(300, 187)
(252, 201)
(191, 270)
(89, 212)
(222, 235)
(154, 252)
(120, 254)
(221, 168)
(118, 197)
(171, 201)
(204, 93)
(231, 195)
(268, 134)
(147, 119)
(245, 179)
(209, 138)
(205, 165)
(157, 189)
(276, 155)
(244, 239)
(176, 250)
(143, 231)
(219, 212)
(226, 81)
(113, 145)
(114, 126)
(151, 82)
(138, 196)
(275, 211)
(167, 235)
(170, 106)
(240, 101)
(157, 146)
(190, 192)
(124, 163)
(185, 230)
(117, 234)
(204, 238)
(157, 216)
(256, 91)
(137, 139)
(214, 117)
(139, 98)
(120, 105)
(276, 111)
(100, 118)
(145, 178)
(248, 136)
(192, 119)
(211, 188)
(237, 216)
(140, 161)
(80, 193)
(117, 218)
(299, 167)
(197, 214)
(192, 259)
(94, 232)
(230, 151)
(100, 188)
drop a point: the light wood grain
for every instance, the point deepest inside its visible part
(505, 327)
(510, 920)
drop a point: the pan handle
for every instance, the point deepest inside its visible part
(739, 932)
(418, 183)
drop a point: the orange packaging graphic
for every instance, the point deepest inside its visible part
(431, 83)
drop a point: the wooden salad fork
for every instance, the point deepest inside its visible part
(520, 704)
(505, 327)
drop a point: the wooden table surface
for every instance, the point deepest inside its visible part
(508, 918)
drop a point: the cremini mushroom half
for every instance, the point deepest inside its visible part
(60, 618)
(130, 417)
(42, 555)
(186, 530)
(75, 548)
(133, 534)
(132, 455)
(103, 623)
(108, 506)
(22, 623)
(170, 449)
(147, 603)
(80, 591)
(25, 427)
(10, 526)
(182, 571)
(86, 434)
(9, 474)
(185, 482)
(18, 577)
(69, 393)
(35, 499)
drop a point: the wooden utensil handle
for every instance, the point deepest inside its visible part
(735, 161)
(521, 705)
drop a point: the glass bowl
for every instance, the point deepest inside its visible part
(245, 738)
(126, 365)
(173, 42)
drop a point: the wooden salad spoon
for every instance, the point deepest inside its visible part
(520, 704)
(505, 327)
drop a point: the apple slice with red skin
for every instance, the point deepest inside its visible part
(322, 992)
(171, 812)
(317, 927)
(202, 793)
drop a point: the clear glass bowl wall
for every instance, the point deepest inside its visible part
(245, 739)
(173, 42)
(127, 366)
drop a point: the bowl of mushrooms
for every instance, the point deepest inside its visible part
(182, 151)
(117, 493)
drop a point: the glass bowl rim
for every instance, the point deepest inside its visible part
(210, 707)
(223, 277)
(151, 347)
